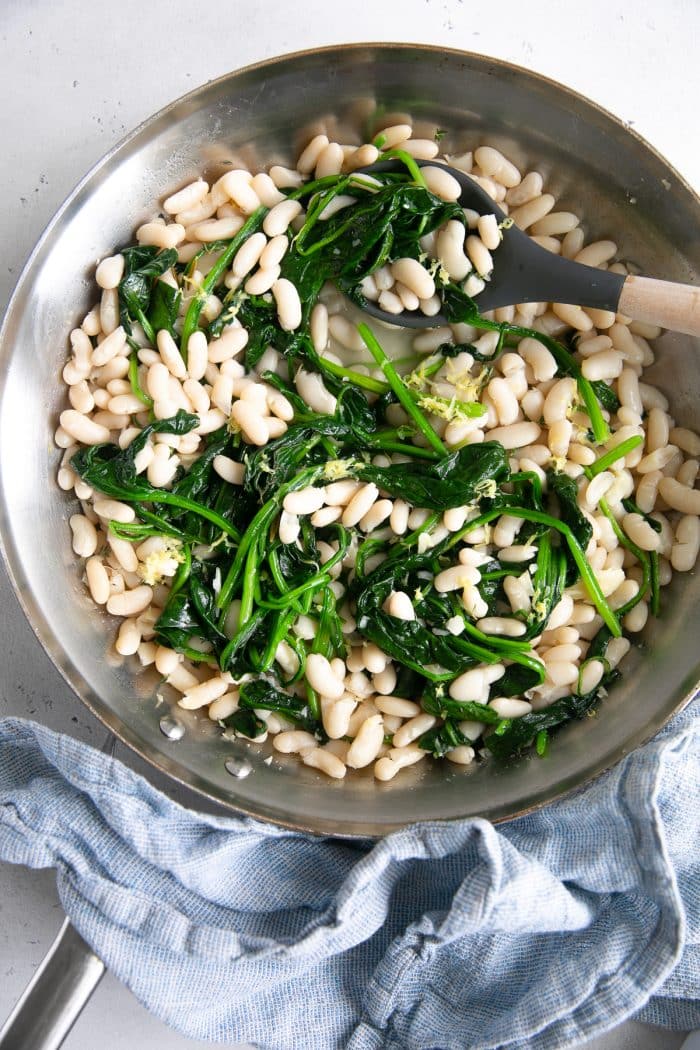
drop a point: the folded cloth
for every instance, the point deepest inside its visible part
(539, 933)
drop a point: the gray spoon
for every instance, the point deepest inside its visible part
(525, 272)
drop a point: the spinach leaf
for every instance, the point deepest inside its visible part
(564, 488)
(143, 265)
(164, 307)
(462, 477)
(246, 723)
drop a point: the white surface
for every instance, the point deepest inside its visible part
(77, 75)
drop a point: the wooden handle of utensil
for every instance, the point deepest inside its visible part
(674, 306)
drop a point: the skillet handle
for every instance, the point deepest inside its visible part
(53, 1000)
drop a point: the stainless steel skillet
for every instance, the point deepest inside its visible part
(594, 164)
(625, 190)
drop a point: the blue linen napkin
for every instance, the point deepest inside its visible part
(539, 933)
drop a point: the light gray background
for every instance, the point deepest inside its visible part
(77, 75)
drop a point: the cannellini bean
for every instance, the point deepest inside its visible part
(203, 694)
(330, 160)
(251, 422)
(170, 354)
(562, 673)
(377, 514)
(400, 606)
(229, 469)
(456, 577)
(274, 251)
(399, 517)
(480, 256)
(510, 707)
(367, 743)
(160, 235)
(596, 489)
(84, 535)
(110, 271)
(249, 254)
(539, 358)
(517, 435)
(441, 183)
(304, 501)
(558, 400)
(308, 158)
(236, 184)
(227, 346)
(504, 400)
(130, 603)
(321, 677)
(657, 430)
(324, 761)
(684, 552)
(128, 638)
(657, 460)
(111, 346)
(450, 250)
(502, 625)
(188, 197)
(359, 504)
(532, 211)
(640, 532)
(470, 685)
(414, 276)
(311, 387)
(223, 706)
(647, 490)
(97, 581)
(292, 741)
(685, 439)
(336, 716)
(605, 365)
(394, 705)
(279, 218)
(412, 729)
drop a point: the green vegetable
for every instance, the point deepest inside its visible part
(143, 265)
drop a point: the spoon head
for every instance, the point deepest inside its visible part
(523, 270)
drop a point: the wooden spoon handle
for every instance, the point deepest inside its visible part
(674, 306)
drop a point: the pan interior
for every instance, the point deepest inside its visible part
(255, 117)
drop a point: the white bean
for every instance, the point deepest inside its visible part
(83, 429)
(97, 581)
(469, 686)
(248, 254)
(320, 677)
(517, 435)
(304, 501)
(279, 218)
(412, 729)
(640, 532)
(510, 707)
(84, 535)
(251, 422)
(204, 693)
(684, 552)
(128, 638)
(414, 276)
(359, 504)
(237, 185)
(130, 603)
(288, 304)
(400, 606)
(323, 760)
(170, 354)
(367, 744)
(502, 625)
(292, 741)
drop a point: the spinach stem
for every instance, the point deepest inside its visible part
(211, 280)
(398, 386)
